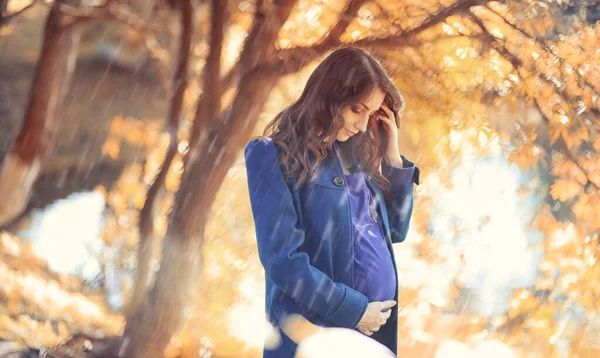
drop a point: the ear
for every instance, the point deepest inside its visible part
(299, 328)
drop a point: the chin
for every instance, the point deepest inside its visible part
(342, 137)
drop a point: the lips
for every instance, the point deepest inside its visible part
(349, 133)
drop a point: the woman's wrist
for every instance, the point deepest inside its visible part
(395, 162)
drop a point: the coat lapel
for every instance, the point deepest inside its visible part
(333, 167)
(382, 208)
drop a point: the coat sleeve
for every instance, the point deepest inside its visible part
(400, 199)
(279, 236)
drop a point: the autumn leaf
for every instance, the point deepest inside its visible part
(597, 144)
(565, 189)
(112, 146)
(116, 126)
(521, 301)
(454, 82)
(594, 177)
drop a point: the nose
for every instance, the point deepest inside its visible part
(362, 125)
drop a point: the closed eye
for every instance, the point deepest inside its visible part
(358, 110)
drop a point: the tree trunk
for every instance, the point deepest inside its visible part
(23, 163)
(147, 334)
(3, 11)
(146, 224)
(206, 165)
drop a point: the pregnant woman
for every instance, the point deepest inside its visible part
(330, 193)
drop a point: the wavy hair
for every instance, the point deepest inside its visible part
(306, 130)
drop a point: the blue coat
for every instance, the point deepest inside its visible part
(305, 242)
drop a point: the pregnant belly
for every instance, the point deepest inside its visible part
(374, 274)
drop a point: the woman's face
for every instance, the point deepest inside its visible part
(356, 116)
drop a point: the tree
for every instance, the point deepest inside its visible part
(438, 46)
(21, 167)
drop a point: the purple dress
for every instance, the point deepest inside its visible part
(373, 267)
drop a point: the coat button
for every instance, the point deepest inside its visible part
(338, 181)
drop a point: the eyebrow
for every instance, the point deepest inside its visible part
(367, 108)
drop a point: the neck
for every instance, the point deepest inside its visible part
(345, 158)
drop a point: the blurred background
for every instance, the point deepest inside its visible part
(124, 208)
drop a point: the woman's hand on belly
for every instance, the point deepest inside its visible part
(374, 318)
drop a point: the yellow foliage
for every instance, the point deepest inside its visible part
(182, 345)
(522, 301)
(31, 290)
(116, 126)
(597, 144)
(565, 189)
(453, 81)
(527, 156)
(112, 147)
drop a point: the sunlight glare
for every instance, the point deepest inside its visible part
(66, 233)
(246, 319)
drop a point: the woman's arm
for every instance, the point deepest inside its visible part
(399, 201)
(278, 237)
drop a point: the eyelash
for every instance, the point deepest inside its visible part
(357, 111)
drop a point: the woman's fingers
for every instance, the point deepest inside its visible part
(384, 118)
(366, 332)
(388, 111)
(390, 120)
(387, 304)
(378, 314)
(383, 319)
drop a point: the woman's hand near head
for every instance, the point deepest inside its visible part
(374, 318)
(392, 154)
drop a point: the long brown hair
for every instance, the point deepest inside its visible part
(345, 77)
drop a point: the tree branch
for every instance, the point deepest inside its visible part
(209, 104)
(22, 165)
(295, 58)
(87, 12)
(517, 64)
(258, 48)
(344, 21)
(109, 12)
(544, 45)
(223, 134)
(249, 56)
(146, 221)
(565, 148)
(292, 60)
(233, 73)
(207, 164)
(4, 20)
(395, 22)
(334, 34)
